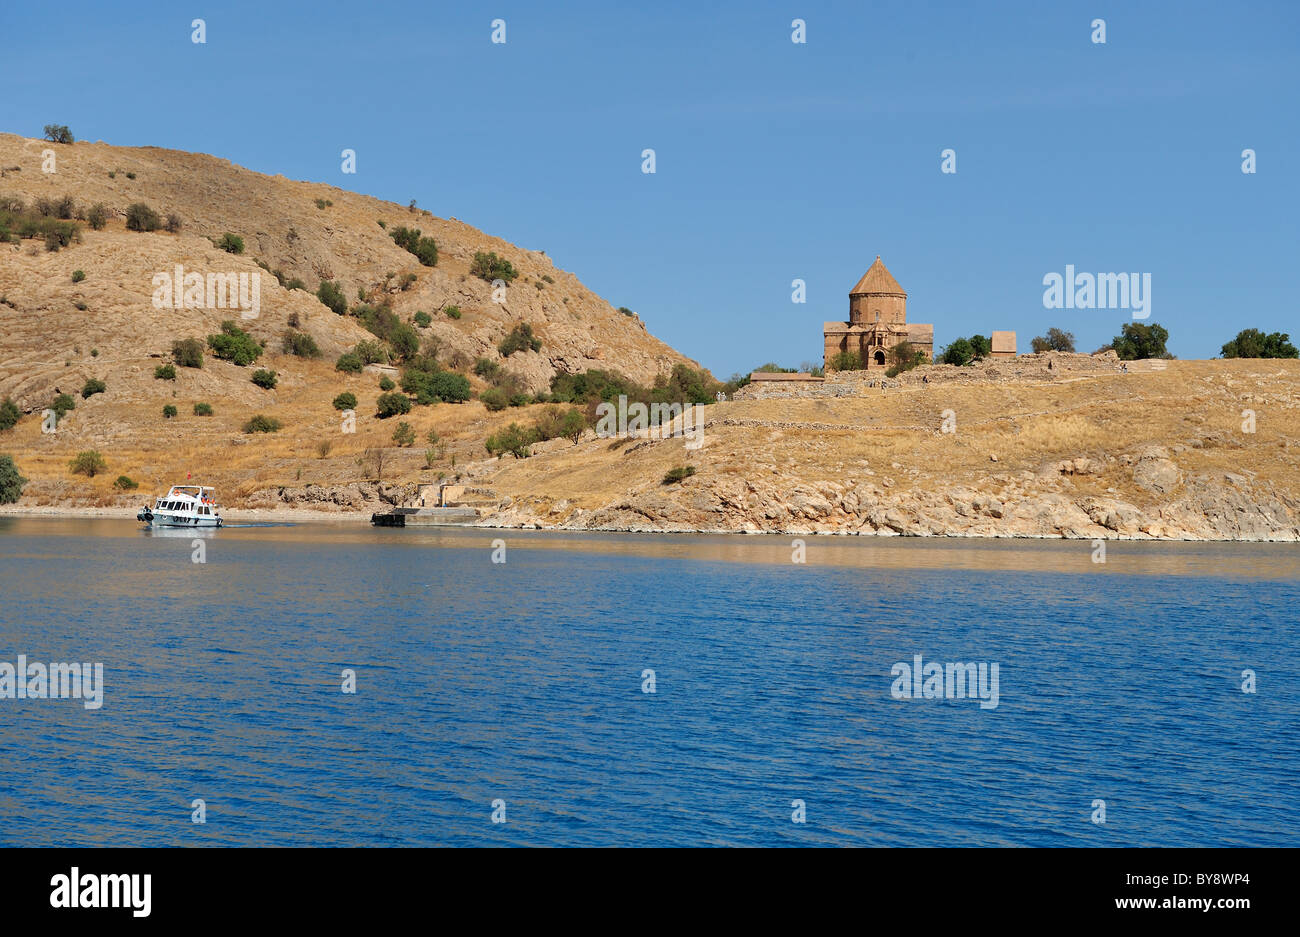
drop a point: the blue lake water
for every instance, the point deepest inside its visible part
(522, 681)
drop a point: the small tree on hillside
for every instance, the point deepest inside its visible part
(1139, 340)
(1252, 343)
(1055, 340)
(11, 483)
(58, 133)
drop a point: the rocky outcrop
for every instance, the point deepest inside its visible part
(1042, 504)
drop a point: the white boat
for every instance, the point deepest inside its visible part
(183, 506)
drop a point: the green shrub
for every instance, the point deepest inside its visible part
(264, 378)
(521, 338)
(488, 266)
(62, 404)
(513, 440)
(323, 203)
(429, 384)
(300, 344)
(231, 243)
(78, 276)
(97, 216)
(371, 352)
(349, 363)
(487, 369)
(494, 398)
(188, 352)
(262, 424)
(392, 405)
(174, 223)
(203, 409)
(423, 319)
(164, 372)
(9, 414)
(125, 483)
(89, 463)
(169, 412)
(329, 294)
(92, 387)
(386, 383)
(235, 345)
(682, 472)
(959, 352)
(345, 401)
(11, 483)
(453, 312)
(845, 361)
(140, 217)
(520, 399)
(404, 436)
(424, 249)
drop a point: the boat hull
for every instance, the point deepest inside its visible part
(177, 520)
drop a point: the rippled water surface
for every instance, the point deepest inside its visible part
(522, 682)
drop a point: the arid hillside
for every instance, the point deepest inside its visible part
(1167, 450)
(86, 312)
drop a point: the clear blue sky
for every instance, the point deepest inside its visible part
(774, 160)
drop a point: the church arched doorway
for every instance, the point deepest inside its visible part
(879, 356)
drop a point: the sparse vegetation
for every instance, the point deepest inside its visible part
(430, 384)
(329, 294)
(92, 387)
(300, 344)
(164, 372)
(521, 338)
(140, 217)
(203, 409)
(412, 241)
(679, 474)
(174, 224)
(125, 483)
(188, 352)
(453, 312)
(404, 436)
(422, 319)
(387, 383)
(845, 361)
(169, 412)
(9, 415)
(264, 378)
(88, 462)
(262, 424)
(349, 363)
(488, 267)
(78, 276)
(513, 440)
(345, 401)
(231, 243)
(11, 483)
(97, 216)
(323, 203)
(494, 398)
(392, 405)
(235, 345)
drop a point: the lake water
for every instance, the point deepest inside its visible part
(522, 682)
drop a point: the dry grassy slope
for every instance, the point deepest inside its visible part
(46, 342)
(834, 479)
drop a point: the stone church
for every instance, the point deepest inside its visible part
(877, 322)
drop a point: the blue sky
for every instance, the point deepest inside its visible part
(775, 161)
